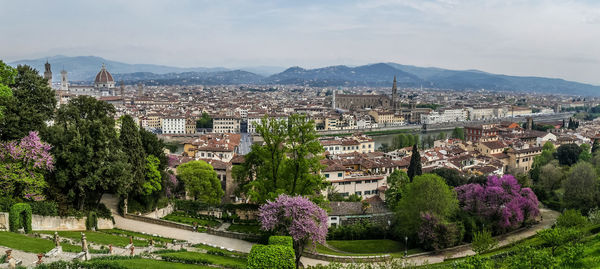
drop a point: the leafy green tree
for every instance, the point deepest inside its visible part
(458, 133)
(7, 77)
(303, 164)
(559, 236)
(152, 182)
(132, 147)
(595, 146)
(483, 241)
(581, 187)
(89, 160)
(452, 176)
(205, 121)
(201, 181)
(399, 141)
(568, 154)
(528, 257)
(585, 154)
(547, 155)
(414, 168)
(396, 181)
(441, 136)
(32, 104)
(427, 193)
(571, 218)
(286, 163)
(154, 146)
(551, 176)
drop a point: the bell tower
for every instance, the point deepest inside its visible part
(395, 96)
(64, 81)
(48, 73)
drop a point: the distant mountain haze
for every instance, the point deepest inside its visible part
(84, 68)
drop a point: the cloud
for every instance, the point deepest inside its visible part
(537, 37)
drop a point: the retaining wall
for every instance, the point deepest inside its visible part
(347, 259)
(4, 225)
(160, 213)
(56, 223)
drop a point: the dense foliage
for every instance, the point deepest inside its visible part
(295, 216)
(201, 181)
(414, 168)
(20, 217)
(288, 161)
(271, 256)
(501, 203)
(23, 164)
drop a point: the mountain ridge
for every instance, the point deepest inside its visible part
(84, 68)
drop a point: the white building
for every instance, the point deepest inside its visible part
(173, 125)
(446, 115)
(226, 124)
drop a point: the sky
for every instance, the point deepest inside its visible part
(527, 37)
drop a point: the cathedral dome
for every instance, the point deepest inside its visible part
(104, 77)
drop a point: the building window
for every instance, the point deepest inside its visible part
(358, 182)
(367, 192)
(339, 174)
(326, 175)
(358, 193)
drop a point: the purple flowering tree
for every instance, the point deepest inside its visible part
(296, 216)
(22, 167)
(501, 202)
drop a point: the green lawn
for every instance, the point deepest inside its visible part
(203, 258)
(154, 264)
(247, 229)
(219, 250)
(189, 220)
(100, 238)
(367, 246)
(138, 235)
(32, 244)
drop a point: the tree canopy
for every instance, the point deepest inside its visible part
(201, 182)
(132, 147)
(414, 168)
(568, 154)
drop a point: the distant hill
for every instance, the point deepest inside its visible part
(84, 68)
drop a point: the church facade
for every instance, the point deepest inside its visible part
(104, 85)
(362, 101)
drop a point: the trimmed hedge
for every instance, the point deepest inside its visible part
(44, 208)
(91, 223)
(281, 240)
(272, 257)
(14, 217)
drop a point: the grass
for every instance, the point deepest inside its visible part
(100, 238)
(367, 246)
(189, 220)
(247, 229)
(32, 244)
(138, 235)
(154, 264)
(203, 258)
(222, 252)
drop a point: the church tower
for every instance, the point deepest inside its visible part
(48, 73)
(122, 88)
(395, 96)
(140, 90)
(64, 81)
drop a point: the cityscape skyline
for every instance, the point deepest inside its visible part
(528, 38)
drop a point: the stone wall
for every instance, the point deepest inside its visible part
(160, 222)
(347, 259)
(53, 223)
(241, 236)
(377, 219)
(161, 212)
(4, 225)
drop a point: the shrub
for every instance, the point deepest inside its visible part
(571, 218)
(483, 241)
(594, 216)
(271, 256)
(103, 212)
(357, 231)
(190, 207)
(281, 240)
(44, 208)
(6, 203)
(20, 216)
(91, 223)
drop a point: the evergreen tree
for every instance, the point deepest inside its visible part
(154, 146)
(595, 146)
(32, 104)
(89, 159)
(132, 147)
(414, 168)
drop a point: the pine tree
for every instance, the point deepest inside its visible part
(414, 168)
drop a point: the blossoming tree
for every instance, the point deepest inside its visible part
(501, 202)
(295, 216)
(22, 167)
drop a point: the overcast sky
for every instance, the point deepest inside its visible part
(537, 37)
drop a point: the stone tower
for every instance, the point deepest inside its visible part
(64, 81)
(140, 90)
(122, 88)
(395, 96)
(333, 100)
(48, 73)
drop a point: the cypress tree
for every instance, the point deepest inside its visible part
(596, 145)
(132, 146)
(414, 168)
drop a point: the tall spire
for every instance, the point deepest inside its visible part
(394, 96)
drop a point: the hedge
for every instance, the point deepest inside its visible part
(91, 222)
(281, 240)
(15, 217)
(44, 208)
(272, 257)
